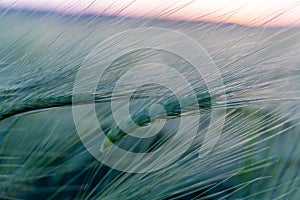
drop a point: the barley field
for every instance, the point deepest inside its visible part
(43, 156)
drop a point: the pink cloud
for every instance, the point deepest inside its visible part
(255, 12)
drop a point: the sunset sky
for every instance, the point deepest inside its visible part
(248, 12)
